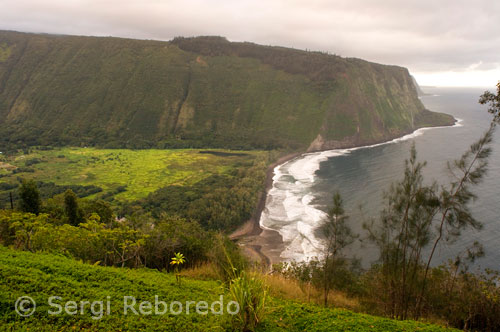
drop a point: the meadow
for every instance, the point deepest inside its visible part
(43, 275)
(126, 174)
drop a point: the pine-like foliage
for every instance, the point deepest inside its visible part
(417, 218)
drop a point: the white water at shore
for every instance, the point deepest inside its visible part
(290, 208)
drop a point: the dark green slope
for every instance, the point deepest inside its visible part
(196, 92)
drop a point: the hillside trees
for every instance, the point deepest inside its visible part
(401, 233)
(239, 96)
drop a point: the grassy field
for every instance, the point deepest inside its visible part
(42, 275)
(132, 174)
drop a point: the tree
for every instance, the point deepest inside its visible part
(338, 235)
(177, 261)
(71, 207)
(401, 232)
(493, 102)
(25, 227)
(30, 197)
(102, 208)
(453, 214)
(418, 215)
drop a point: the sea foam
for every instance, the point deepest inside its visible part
(290, 208)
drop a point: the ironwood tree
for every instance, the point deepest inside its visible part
(338, 235)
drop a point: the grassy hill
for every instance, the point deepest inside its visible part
(196, 92)
(43, 275)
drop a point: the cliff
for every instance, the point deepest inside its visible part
(197, 92)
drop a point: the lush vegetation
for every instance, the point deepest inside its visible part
(124, 174)
(43, 275)
(135, 243)
(199, 191)
(218, 189)
(90, 223)
(192, 93)
(219, 202)
(86, 230)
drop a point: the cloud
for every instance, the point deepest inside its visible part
(426, 36)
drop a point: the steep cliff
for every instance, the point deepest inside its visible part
(197, 92)
(417, 87)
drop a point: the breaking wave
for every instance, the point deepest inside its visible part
(290, 208)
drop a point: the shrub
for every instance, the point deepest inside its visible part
(33, 161)
(227, 259)
(250, 292)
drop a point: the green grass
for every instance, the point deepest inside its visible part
(43, 275)
(291, 316)
(141, 171)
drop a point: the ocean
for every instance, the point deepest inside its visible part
(303, 187)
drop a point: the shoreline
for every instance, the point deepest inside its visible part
(264, 245)
(258, 244)
(252, 226)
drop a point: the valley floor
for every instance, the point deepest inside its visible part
(135, 173)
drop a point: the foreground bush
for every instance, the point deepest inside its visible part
(251, 294)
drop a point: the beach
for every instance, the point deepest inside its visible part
(266, 246)
(262, 245)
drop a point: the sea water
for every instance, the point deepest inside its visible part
(303, 187)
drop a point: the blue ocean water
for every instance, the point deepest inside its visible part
(303, 187)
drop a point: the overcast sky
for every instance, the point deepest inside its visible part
(442, 42)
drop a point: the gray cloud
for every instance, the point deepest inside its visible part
(425, 35)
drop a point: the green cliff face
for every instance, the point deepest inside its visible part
(197, 92)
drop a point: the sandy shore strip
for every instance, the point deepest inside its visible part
(262, 245)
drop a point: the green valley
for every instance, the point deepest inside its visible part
(217, 188)
(129, 174)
